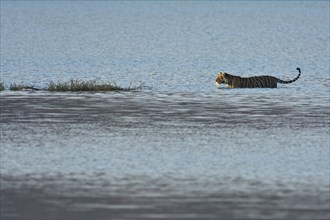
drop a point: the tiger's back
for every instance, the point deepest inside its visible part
(258, 82)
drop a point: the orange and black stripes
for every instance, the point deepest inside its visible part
(258, 82)
(251, 82)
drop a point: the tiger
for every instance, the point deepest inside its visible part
(251, 82)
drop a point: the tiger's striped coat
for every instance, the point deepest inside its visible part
(251, 82)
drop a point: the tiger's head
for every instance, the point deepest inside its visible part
(222, 78)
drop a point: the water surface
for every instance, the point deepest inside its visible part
(180, 148)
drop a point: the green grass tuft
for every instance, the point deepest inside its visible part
(76, 85)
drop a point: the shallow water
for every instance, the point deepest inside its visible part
(140, 155)
(180, 148)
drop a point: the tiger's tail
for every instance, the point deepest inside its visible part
(290, 81)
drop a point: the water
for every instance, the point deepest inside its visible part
(180, 148)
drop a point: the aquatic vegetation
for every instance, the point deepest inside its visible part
(2, 86)
(76, 85)
(20, 87)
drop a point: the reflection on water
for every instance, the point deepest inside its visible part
(149, 155)
(145, 198)
(228, 109)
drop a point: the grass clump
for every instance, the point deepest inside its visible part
(2, 86)
(20, 87)
(76, 85)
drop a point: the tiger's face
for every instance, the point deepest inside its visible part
(221, 78)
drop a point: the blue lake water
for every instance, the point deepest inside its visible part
(180, 148)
